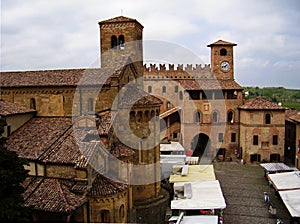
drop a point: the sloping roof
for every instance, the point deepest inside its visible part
(33, 139)
(136, 97)
(289, 114)
(119, 19)
(51, 195)
(105, 121)
(8, 108)
(260, 104)
(296, 117)
(222, 42)
(65, 77)
(209, 84)
(103, 186)
(286, 180)
(291, 200)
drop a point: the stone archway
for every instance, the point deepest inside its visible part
(199, 144)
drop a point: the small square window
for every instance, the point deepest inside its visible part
(233, 137)
(255, 139)
(275, 139)
(220, 137)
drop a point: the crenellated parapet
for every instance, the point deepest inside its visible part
(163, 71)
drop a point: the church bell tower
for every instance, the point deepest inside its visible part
(121, 37)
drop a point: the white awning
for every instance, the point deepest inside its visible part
(203, 219)
(276, 167)
(285, 181)
(291, 199)
(205, 195)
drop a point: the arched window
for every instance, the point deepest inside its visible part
(114, 41)
(268, 118)
(180, 95)
(149, 89)
(215, 117)
(197, 117)
(122, 213)
(91, 104)
(122, 42)
(230, 118)
(32, 104)
(164, 89)
(223, 52)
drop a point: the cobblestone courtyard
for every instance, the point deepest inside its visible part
(243, 187)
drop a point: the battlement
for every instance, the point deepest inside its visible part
(181, 71)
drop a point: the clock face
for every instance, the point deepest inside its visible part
(225, 66)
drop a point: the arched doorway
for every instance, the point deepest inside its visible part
(199, 144)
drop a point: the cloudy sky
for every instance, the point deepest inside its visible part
(52, 34)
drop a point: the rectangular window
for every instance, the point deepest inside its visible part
(255, 139)
(233, 137)
(176, 89)
(275, 139)
(220, 137)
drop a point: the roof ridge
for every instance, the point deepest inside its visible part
(63, 195)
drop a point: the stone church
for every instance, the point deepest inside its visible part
(92, 136)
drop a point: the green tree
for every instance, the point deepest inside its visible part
(12, 174)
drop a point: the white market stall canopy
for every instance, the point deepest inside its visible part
(174, 147)
(285, 181)
(195, 173)
(203, 219)
(276, 167)
(291, 199)
(204, 195)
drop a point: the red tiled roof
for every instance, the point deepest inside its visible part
(33, 139)
(292, 115)
(104, 186)
(51, 195)
(106, 119)
(209, 84)
(260, 104)
(120, 150)
(8, 108)
(119, 19)
(221, 42)
(136, 97)
(65, 77)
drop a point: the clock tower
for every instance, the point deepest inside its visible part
(222, 59)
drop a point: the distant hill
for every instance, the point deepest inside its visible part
(289, 98)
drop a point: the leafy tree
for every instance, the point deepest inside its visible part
(12, 174)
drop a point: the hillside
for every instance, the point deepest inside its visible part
(288, 97)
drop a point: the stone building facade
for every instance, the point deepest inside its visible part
(262, 128)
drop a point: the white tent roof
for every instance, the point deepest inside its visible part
(291, 199)
(172, 146)
(276, 167)
(285, 181)
(203, 219)
(205, 195)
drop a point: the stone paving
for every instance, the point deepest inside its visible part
(243, 187)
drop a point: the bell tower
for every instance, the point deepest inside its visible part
(222, 59)
(121, 37)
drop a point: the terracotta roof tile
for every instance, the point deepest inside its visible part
(209, 84)
(33, 139)
(260, 104)
(8, 108)
(51, 195)
(120, 150)
(119, 19)
(65, 77)
(106, 119)
(222, 42)
(292, 115)
(136, 97)
(103, 186)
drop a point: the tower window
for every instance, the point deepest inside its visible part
(90, 104)
(255, 139)
(180, 95)
(114, 41)
(176, 89)
(164, 89)
(122, 42)
(230, 117)
(149, 89)
(223, 52)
